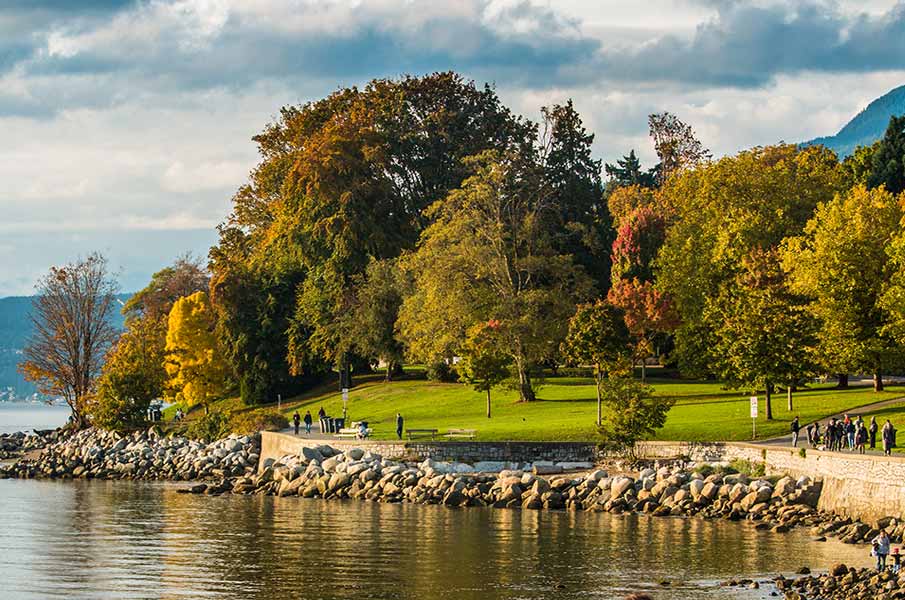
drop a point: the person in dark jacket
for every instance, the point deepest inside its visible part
(399, 424)
(889, 437)
(296, 419)
(796, 428)
(308, 421)
(860, 438)
(872, 430)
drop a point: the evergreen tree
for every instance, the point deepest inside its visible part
(888, 166)
(628, 172)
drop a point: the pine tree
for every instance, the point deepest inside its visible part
(889, 159)
(628, 172)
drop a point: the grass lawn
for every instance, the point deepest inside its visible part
(566, 408)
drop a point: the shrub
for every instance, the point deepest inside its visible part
(748, 468)
(442, 372)
(247, 423)
(212, 426)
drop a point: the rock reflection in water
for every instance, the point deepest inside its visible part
(141, 540)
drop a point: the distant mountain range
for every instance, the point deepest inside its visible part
(867, 127)
(15, 329)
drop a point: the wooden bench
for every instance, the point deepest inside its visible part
(421, 433)
(352, 433)
(467, 434)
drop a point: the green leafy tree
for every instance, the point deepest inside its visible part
(597, 336)
(372, 319)
(860, 163)
(889, 158)
(132, 377)
(766, 335)
(841, 263)
(633, 411)
(483, 365)
(488, 255)
(628, 172)
(722, 212)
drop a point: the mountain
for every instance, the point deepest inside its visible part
(867, 127)
(15, 329)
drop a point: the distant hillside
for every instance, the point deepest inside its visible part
(15, 329)
(868, 126)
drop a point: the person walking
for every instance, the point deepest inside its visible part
(872, 431)
(296, 419)
(321, 413)
(888, 435)
(881, 549)
(861, 438)
(810, 430)
(399, 423)
(308, 420)
(896, 561)
(796, 428)
(849, 432)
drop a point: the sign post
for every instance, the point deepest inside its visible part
(345, 401)
(753, 417)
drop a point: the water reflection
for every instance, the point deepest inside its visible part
(140, 540)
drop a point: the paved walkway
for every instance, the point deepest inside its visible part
(864, 411)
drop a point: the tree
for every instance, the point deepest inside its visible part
(719, 214)
(194, 360)
(634, 412)
(624, 201)
(676, 145)
(483, 365)
(132, 377)
(488, 255)
(766, 334)
(648, 312)
(859, 164)
(888, 160)
(841, 263)
(597, 336)
(627, 172)
(371, 321)
(185, 277)
(71, 320)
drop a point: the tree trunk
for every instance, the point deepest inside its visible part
(769, 397)
(842, 383)
(599, 379)
(878, 382)
(488, 403)
(789, 396)
(389, 376)
(526, 392)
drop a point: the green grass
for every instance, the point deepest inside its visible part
(896, 414)
(566, 409)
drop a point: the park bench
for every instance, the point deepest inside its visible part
(421, 433)
(352, 433)
(466, 434)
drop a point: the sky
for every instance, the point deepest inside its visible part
(126, 125)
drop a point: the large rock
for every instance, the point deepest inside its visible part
(619, 486)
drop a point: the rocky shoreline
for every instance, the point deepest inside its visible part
(839, 583)
(231, 465)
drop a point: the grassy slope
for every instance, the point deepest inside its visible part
(566, 409)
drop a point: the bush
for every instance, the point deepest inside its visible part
(209, 427)
(442, 372)
(748, 468)
(248, 423)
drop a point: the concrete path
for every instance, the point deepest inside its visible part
(865, 412)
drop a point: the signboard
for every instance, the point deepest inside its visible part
(345, 394)
(753, 407)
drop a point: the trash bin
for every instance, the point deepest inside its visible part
(338, 424)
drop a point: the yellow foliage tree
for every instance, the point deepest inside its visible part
(195, 366)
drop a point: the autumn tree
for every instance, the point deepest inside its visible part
(194, 361)
(624, 201)
(133, 376)
(676, 145)
(888, 159)
(72, 330)
(488, 255)
(483, 364)
(765, 334)
(841, 263)
(598, 337)
(184, 277)
(721, 213)
(633, 411)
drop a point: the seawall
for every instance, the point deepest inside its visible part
(864, 487)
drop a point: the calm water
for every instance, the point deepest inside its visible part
(21, 416)
(143, 540)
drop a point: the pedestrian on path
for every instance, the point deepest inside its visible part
(296, 419)
(861, 438)
(308, 420)
(888, 437)
(849, 431)
(872, 430)
(399, 423)
(796, 428)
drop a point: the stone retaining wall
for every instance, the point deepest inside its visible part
(863, 487)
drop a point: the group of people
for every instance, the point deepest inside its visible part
(296, 421)
(363, 431)
(847, 433)
(880, 550)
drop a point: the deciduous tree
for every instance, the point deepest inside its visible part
(71, 320)
(484, 365)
